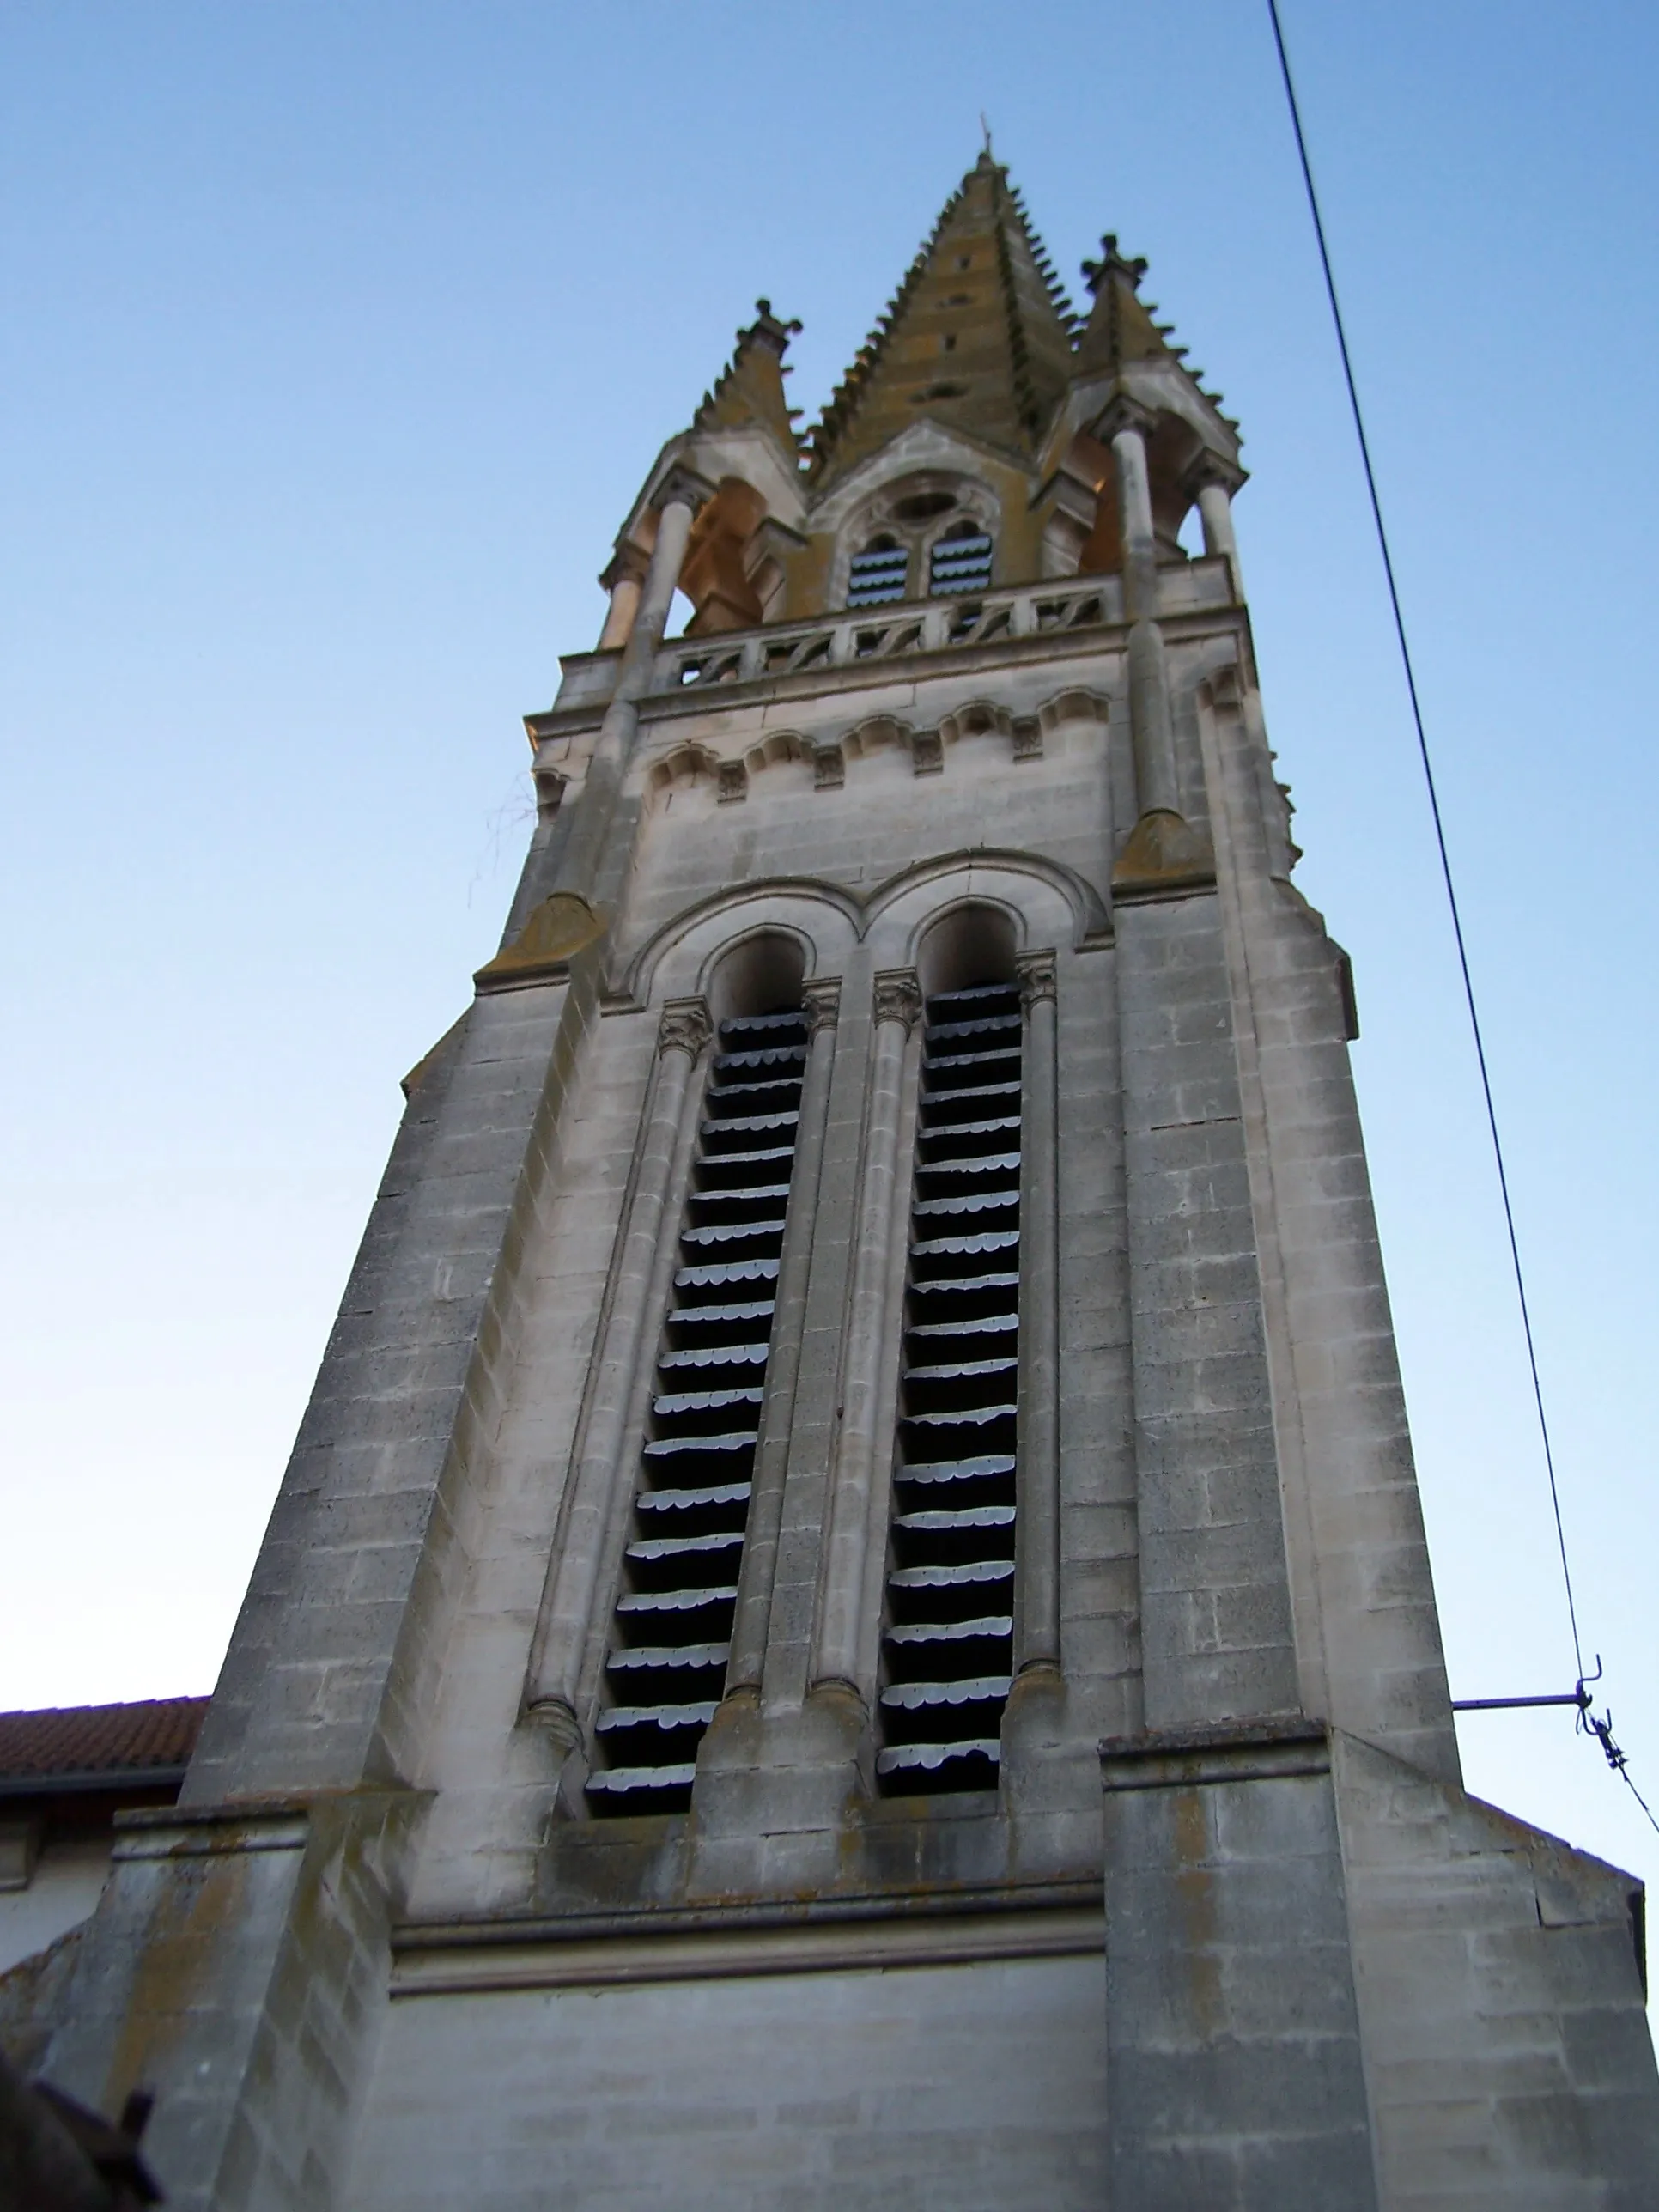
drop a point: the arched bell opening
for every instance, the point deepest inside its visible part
(1170, 453)
(1176, 455)
(673, 1615)
(974, 943)
(713, 577)
(760, 975)
(948, 1621)
(1080, 530)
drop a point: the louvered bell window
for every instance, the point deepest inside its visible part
(947, 1645)
(877, 575)
(961, 561)
(672, 1628)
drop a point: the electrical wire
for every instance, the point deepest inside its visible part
(1434, 809)
(1601, 1730)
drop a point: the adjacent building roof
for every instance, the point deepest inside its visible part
(59, 1743)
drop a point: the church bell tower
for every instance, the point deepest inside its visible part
(849, 1623)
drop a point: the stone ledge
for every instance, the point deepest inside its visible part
(276, 1823)
(1242, 1751)
(553, 933)
(820, 1934)
(170, 1835)
(1165, 855)
(936, 1902)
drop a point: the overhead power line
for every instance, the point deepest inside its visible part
(1602, 1730)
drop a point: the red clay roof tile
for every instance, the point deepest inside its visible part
(161, 1732)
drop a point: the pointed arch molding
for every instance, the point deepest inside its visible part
(1049, 902)
(688, 758)
(783, 748)
(928, 446)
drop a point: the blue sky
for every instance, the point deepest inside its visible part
(339, 337)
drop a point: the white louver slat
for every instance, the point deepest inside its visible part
(961, 562)
(877, 576)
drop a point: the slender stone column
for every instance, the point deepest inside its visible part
(1036, 1556)
(681, 496)
(625, 579)
(837, 1637)
(760, 1550)
(1151, 728)
(1215, 511)
(1216, 484)
(1129, 425)
(567, 1607)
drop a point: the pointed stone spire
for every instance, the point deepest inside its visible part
(1120, 330)
(749, 391)
(978, 336)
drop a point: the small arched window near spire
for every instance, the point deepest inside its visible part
(960, 561)
(877, 575)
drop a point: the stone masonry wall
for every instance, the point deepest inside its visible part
(972, 2088)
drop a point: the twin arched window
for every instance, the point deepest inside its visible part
(960, 558)
(681, 1627)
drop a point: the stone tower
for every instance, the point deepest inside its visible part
(848, 1625)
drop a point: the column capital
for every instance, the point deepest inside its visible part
(898, 996)
(820, 1002)
(1209, 469)
(685, 1027)
(627, 565)
(683, 487)
(1121, 413)
(1035, 972)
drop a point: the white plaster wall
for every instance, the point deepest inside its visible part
(63, 1892)
(966, 2088)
